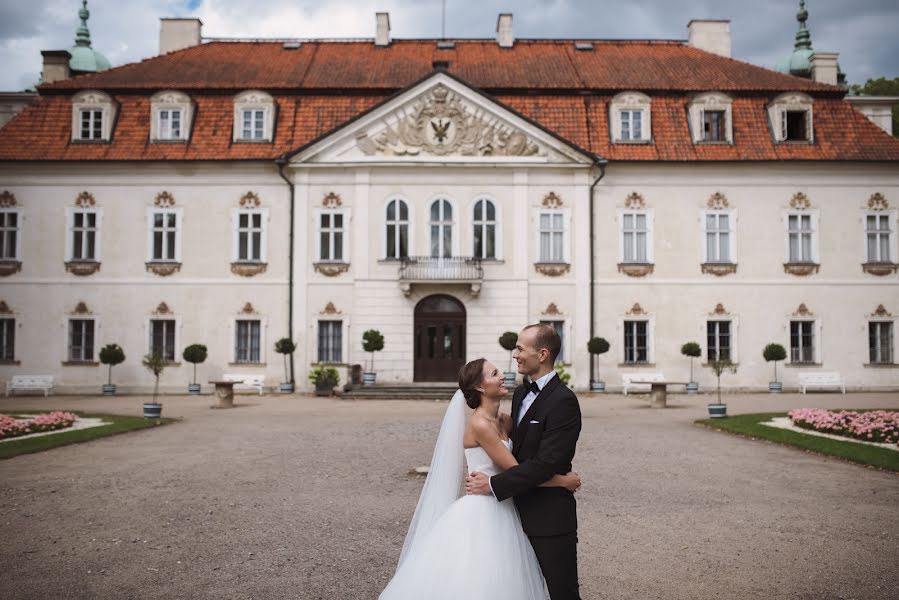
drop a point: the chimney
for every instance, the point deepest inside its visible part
(382, 31)
(175, 34)
(56, 65)
(710, 35)
(824, 67)
(504, 30)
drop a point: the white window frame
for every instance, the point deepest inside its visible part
(566, 235)
(650, 258)
(813, 221)
(95, 350)
(95, 101)
(177, 342)
(891, 216)
(343, 340)
(650, 339)
(345, 246)
(4, 340)
(731, 236)
(408, 223)
(631, 101)
(179, 224)
(454, 230)
(70, 233)
(235, 234)
(790, 102)
(734, 330)
(564, 352)
(816, 340)
(263, 328)
(497, 226)
(878, 319)
(18, 249)
(254, 100)
(710, 101)
(170, 100)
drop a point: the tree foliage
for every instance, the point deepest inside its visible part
(881, 87)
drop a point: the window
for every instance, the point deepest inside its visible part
(559, 327)
(790, 116)
(631, 124)
(635, 237)
(93, 113)
(253, 116)
(795, 125)
(250, 236)
(714, 127)
(9, 234)
(441, 228)
(552, 236)
(800, 233)
(484, 229)
(91, 124)
(7, 340)
(162, 338)
(331, 236)
(878, 237)
(330, 341)
(718, 340)
(81, 340)
(83, 242)
(397, 232)
(718, 237)
(252, 124)
(636, 342)
(169, 125)
(246, 347)
(165, 230)
(172, 113)
(880, 342)
(802, 342)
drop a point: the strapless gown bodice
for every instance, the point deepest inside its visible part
(478, 460)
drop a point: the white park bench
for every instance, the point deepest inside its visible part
(821, 379)
(628, 380)
(30, 382)
(246, 381)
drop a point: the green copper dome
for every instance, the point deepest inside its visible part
(799, 61)
(84, 58)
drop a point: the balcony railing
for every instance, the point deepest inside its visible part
(427, 269)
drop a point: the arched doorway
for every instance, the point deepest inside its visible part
(439, 338)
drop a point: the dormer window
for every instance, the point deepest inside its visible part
(710, 119)
(791, 118)
(630, 117)
(172, 113)
(254, 113)
(92, 115)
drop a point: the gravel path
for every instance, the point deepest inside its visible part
(309, 498)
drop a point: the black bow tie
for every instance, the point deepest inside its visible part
(534, 387)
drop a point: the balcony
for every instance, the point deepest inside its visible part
(463, 270)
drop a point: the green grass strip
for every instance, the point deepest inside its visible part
(117, 424)
(750, 426)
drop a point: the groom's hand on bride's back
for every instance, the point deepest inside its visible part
(478, 483)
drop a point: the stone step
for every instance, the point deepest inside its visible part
(402, 392)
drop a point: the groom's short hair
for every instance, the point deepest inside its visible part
(545, 336)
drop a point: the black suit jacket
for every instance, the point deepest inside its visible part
(544, 444)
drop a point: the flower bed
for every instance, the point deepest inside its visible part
(10, 427)
(879, 426)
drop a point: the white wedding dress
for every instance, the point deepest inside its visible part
(475, 550)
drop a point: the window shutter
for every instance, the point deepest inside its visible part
(783, 125)
(808, 125)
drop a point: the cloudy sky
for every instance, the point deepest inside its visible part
(864, 32)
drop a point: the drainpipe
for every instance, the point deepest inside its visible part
(282, 162)
(601, 163)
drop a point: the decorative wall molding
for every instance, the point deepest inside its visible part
(5, 310)
(636, 309)
(331, 200)
(801, 268)
(800, 201)
(719, 269)
(162, 309)
(248, 269)
(880, 311)
(164, 200)
(553, 269)
(248, 309)
(718, 201)
(879, 268)
(719, 310)
(250, 200)
(803, 311)
(85, 200)
(81, 309)
(877, 201)
(636, 269)
(7, 199)
(163, 269)
(552, 200)
(634, 200)
(552, 309)
(330, 309)
(8, 267)
(329, 269)
(82, 268)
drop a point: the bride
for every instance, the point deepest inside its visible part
(470, 547)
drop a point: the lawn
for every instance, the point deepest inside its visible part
(117, 424)
(749, 426)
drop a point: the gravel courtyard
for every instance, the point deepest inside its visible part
(299, 497)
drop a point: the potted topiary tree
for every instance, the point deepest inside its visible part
(155, 364)
(718, 367)
(774, 353)
(372, 341)
(194, 354)
(286, 346)
(597, 346)
(692, 350)
(112, 355)
(508, 340)
(324, 378)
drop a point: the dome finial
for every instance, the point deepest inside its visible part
(82, 34)
(803, 37)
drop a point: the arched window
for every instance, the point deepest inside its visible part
(397, 220)
(441, 228)
(484, 229)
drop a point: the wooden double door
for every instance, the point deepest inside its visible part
(439, 339)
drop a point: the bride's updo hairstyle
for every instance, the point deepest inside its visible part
(470, 376)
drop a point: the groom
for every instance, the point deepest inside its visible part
(548, 421)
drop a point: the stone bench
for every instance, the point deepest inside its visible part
(30, 382)
(629, 380)
(821, 379)
(246, 381)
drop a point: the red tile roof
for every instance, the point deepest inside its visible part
(322, 85)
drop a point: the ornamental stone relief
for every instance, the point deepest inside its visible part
(330, 309)
(439, 124)
(636, 309)
(164, 200)
(248, 269)
(552, 309)
(81, 309)
(85, 200)
(331, 200)
(5, 310)
(7, 199)
(248, 309)
(82, 268)
(634, 200)
(719, 310)
(800, 201)
(552, 269)
(802, 311)
(718, 269)
(162, 309)
(163, 269)
(880, 311)
(718, 201)
(552, 200)
(878, 202)
(250, 200)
